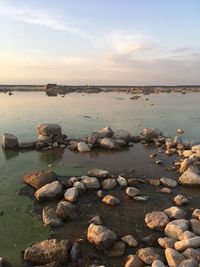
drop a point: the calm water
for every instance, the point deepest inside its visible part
(78, 115)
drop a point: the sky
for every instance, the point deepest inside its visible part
(100, 42)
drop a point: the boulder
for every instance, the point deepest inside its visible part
(130, 241)
(49, 191)
(38, 179)
(180, 200)
(187, 243)
(175, 213)
(106, 132)
(50, 218)
(90, 182)
(132, 191)
(71, 194)
(111, 200)
(150, 254)
(47, 251)
(83, 147)
(99, 173)
(100, 236)
(173, 257)
(109, 184)
(168, 182)
(156, 220)
(109, 143)
(9, 141)
(191, 177)
(175, 228)
(66, 210)
(133, 261)
(49, 129)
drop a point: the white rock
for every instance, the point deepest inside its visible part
(83, 147)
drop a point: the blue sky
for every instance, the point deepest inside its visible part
(133, 42)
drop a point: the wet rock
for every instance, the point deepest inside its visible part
(81, 187)
(96, 220)
(49, 129)
(186, 235)
(130, 241)
(190, 177)
(66, 210)
(133, 261)
(93, 139)
(154, 182)
(4, 263)
(179, 130)
(156, 220)
(49, 191)
(175, 228)
(189, 263)
(165, 190)
(175, 213)
(45, 139)
(27, 145)
(111, 200)
(168, 182)
(150, 254)
(132, 191)
(122, 135)
(73, 145)
(99, 173)
(50, 218)
(47, 251)
(117, 250)
(158, 263)
(106, 132)
(9, 141)
(75, 251)
(159, 162)
(196, 214)
(83, 147)
(180, 200)
(121, 181)
(166, 242)
(40, 145)
(109, 143)
(71, 194)
(141, 198)
(40, 178)
(173, 257)
(109, 184)
(121, 143)
(186, 164)
(195, 225)
(151, 133)
(90, 182)
(187, 243)
(100, 236)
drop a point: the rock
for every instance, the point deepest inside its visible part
(50, 218)
(109, 184)
(9, 141)
(159, 162)
(177, 139)
(100, 193)
(196, 214)
(130, 241)
(90, 182)
(121, 181)
(173, 257)
(180, 200)
(189, 263)
(175, 213)
(40, 145)
(99, 173)
(4, 263)
(109, 143)
(149, 255)
(80, 186)
(166, 242)
(49, 129)
(133, 261)
(179, 130)
(27, 145)
(132, 191)
(100, 236)
(190, 178)
(83, 147)
(47, 251)
(175, 228)
(93, 139)
(75, 251)
(186, 164)
(73, 179)
(151, 133)
(195, 225)
(122, 135)
(165, 190)
(38, 179)
(154, 182)
(151, 240)
(168, 182)
(71, 194)
(187, 153)
(49, 191)
(141, 198)
(191, 253)
(96, 220)
(121, 143)
(66, 210)
(158, 263)
(111, 200)
(156, 220)
(45, 139)
(73, 145)
(117, 250)
(186, 235)
(187, 243)
(106, 132)
(195, 149)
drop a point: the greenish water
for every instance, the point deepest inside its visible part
(22, 112)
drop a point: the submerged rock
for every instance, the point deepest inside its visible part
(50, 218)
(117, 250)
(9, 141)
(40, 178)
(47, 251)
(66, 210)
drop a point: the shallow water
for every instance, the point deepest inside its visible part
(79, 115)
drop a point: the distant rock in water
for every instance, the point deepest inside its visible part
(9, 141)
(49, 129)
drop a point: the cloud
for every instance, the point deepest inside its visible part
(182, 50)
